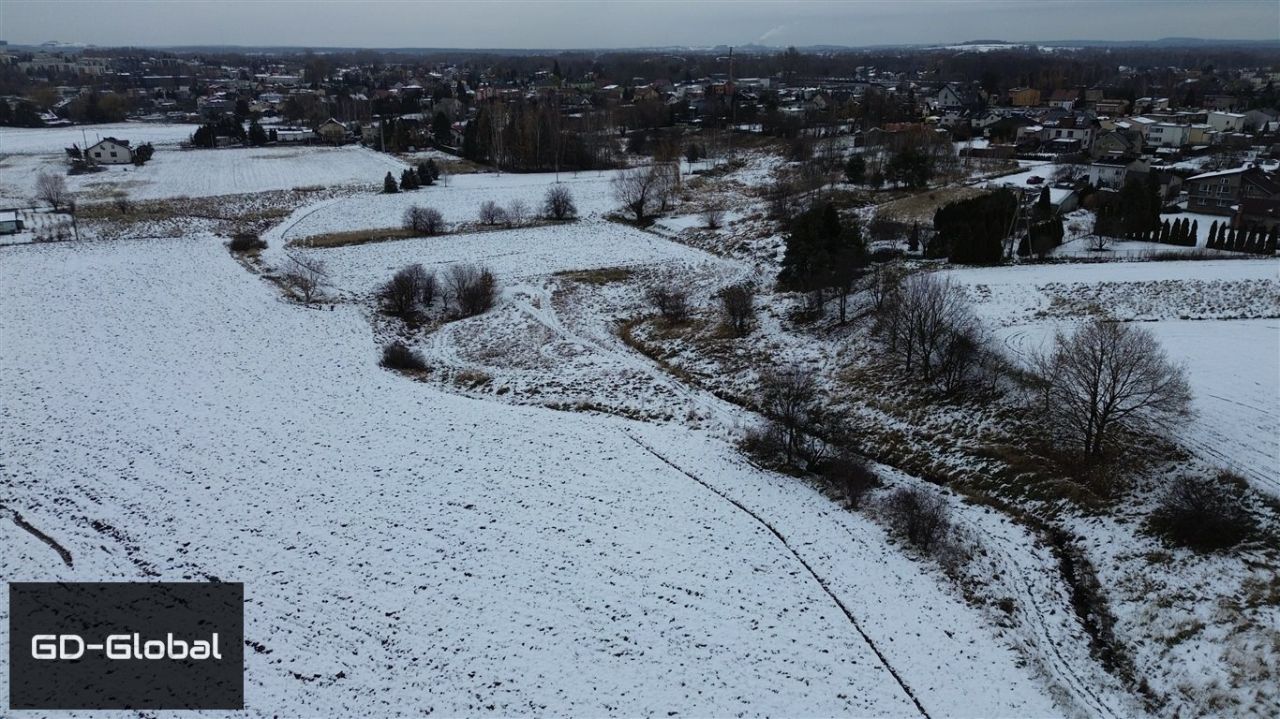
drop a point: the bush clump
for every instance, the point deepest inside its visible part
(919, 517)
(852, 475)
(398, 356)
(246, 242)
(1203, 514)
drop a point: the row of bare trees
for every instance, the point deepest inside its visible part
(930, 332)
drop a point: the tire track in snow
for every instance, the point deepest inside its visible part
(791, 550)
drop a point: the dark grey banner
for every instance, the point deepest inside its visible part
(126, 646)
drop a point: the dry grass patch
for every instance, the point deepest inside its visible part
(602, 276)
(354, 237)
(921, 206)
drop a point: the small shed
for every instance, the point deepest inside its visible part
(10, 223)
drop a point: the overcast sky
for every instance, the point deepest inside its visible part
(623, 23)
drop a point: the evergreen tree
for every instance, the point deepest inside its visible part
(408, 179)
(1164, 232)
(1213, 236)
(1273, 238)
(913, 240)
(1193, 238)
(855, 170)
(821, 251)
(973, 231)
(257, 136)
(389, 184)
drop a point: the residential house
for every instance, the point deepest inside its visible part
(1167, 134)
(1114, 172)
(1116, 144)
(1111, 107)
(1222, 192)
(1064, 99)
(110, 151)
(1226, 121)
(957, 96)
(333, 132)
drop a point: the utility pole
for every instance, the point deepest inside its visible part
(732, 106)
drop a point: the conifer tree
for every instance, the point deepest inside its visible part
(389, 184)
(1213, 236)
(1194, 238)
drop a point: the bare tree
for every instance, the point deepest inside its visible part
(426, 220)
(474, 288)
(638, 190)
(517, 212)
(1098, 242)
(308, 275)
(789, 399)
(558, 203)
(1108, 375)
(52, 190)
(491, 213)
(928, 326)
(428, 288)
(738, 302)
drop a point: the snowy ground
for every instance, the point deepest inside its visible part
(458, 198)
(1199, 310)
(1232, 366)
(52, 140)
(456, 556)
(174, 172)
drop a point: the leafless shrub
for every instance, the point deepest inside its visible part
(1203, 514)
(766, 445)
(426, 220)
(852, 475)
(919, 517)
(558, 203)
(491, 213)
(52, 190)
(398, 356)
(474, 288)
(713, 217)
(308, 275)
(517, 212)
(122, 202)
(669, 299)
(738, 303)
(399, 295)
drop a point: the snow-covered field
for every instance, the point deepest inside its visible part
(1200, 312)
(409, 551)
(174, 172)
(458, 199)
(52, 140)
